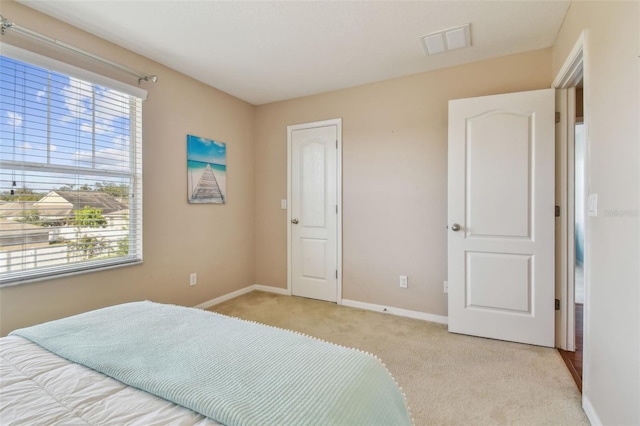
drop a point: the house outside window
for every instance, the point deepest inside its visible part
(70, 169)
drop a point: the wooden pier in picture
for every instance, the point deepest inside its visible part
(207, 189)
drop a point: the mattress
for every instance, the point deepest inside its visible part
(40, 388)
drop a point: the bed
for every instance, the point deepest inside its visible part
(145, 363)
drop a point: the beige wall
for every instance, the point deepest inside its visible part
(612, 115)
(216, 241)
(394, 191)
(394, 176)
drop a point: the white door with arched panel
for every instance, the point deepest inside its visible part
(313, 209)
(501, 217)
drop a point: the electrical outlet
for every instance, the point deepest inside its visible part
(404, 282)
(193, 279)
(446, 287)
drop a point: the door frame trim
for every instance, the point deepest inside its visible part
(572, 71)
(332, 122)
(565, 235)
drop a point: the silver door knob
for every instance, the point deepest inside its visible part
(294, 221)
(455, 227)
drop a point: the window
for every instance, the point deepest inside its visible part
(70, 169)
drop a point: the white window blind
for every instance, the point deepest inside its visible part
(70, 171)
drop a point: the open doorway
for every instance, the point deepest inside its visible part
(579, 198)
(574, 359)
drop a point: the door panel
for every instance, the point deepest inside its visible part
(313, 229)
(314, 258)
(499, 144)
(501, 194)
(313, 194)
(501, 282)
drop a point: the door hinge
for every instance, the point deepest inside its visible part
(557, 117)
(336, 209)
(557, 304)
(557, 211)
(336, 143)
(336, 274)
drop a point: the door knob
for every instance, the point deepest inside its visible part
(294, 221)
(455, 227)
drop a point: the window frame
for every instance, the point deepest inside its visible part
(135, 224)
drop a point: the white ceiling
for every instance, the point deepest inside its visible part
(265, 51)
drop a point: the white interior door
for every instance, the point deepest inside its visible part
(501, 217)
(313, 212)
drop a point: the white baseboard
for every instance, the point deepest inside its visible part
(224, 298)
(396, 311)
(351, 303)
(590, 412)
(269, 289)
(233, 295)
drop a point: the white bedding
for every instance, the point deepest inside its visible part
(40, 388)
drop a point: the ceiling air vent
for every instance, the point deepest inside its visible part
(453, 38)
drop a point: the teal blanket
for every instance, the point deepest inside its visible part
(231, 370)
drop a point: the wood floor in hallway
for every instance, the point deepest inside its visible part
(574, 359)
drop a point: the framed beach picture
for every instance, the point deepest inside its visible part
(206, 170)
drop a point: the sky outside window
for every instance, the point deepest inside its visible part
(50, 119)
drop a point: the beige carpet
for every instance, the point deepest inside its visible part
(449, 379)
